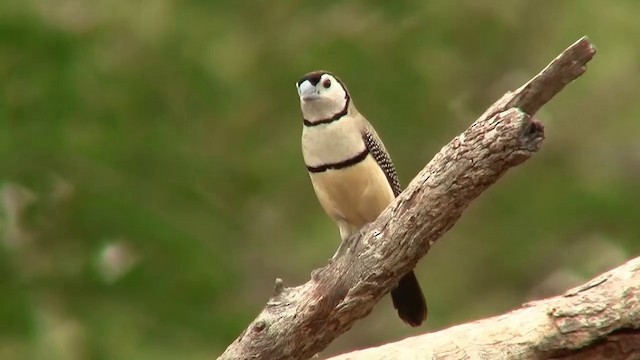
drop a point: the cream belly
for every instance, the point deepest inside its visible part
(353, 196)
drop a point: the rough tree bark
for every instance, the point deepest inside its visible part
(299, 322)
(598, 320)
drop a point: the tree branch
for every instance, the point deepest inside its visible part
(598, 320)
(301, 321)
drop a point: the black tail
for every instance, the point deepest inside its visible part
(408, 299)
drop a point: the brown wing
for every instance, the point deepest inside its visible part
(380, 154)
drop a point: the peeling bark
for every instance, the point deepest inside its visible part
(598, 320)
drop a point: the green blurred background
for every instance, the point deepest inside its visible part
(153, 186)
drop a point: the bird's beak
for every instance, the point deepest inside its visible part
(306, 91)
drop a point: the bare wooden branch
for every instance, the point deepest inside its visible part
(598, 320)
(301, 321)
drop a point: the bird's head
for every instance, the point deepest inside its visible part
(322, 96)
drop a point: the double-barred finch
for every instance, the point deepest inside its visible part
(351, 171)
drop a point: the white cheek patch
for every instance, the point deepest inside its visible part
(336, 91)
(338, 99)
(330, 104)
(319, 110)
(341, 91)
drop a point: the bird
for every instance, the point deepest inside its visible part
(351, 172)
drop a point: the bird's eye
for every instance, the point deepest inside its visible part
(326, 83)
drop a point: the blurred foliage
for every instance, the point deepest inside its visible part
(153, 185)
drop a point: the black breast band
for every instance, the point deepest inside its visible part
(335, 117)
(339, 165)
